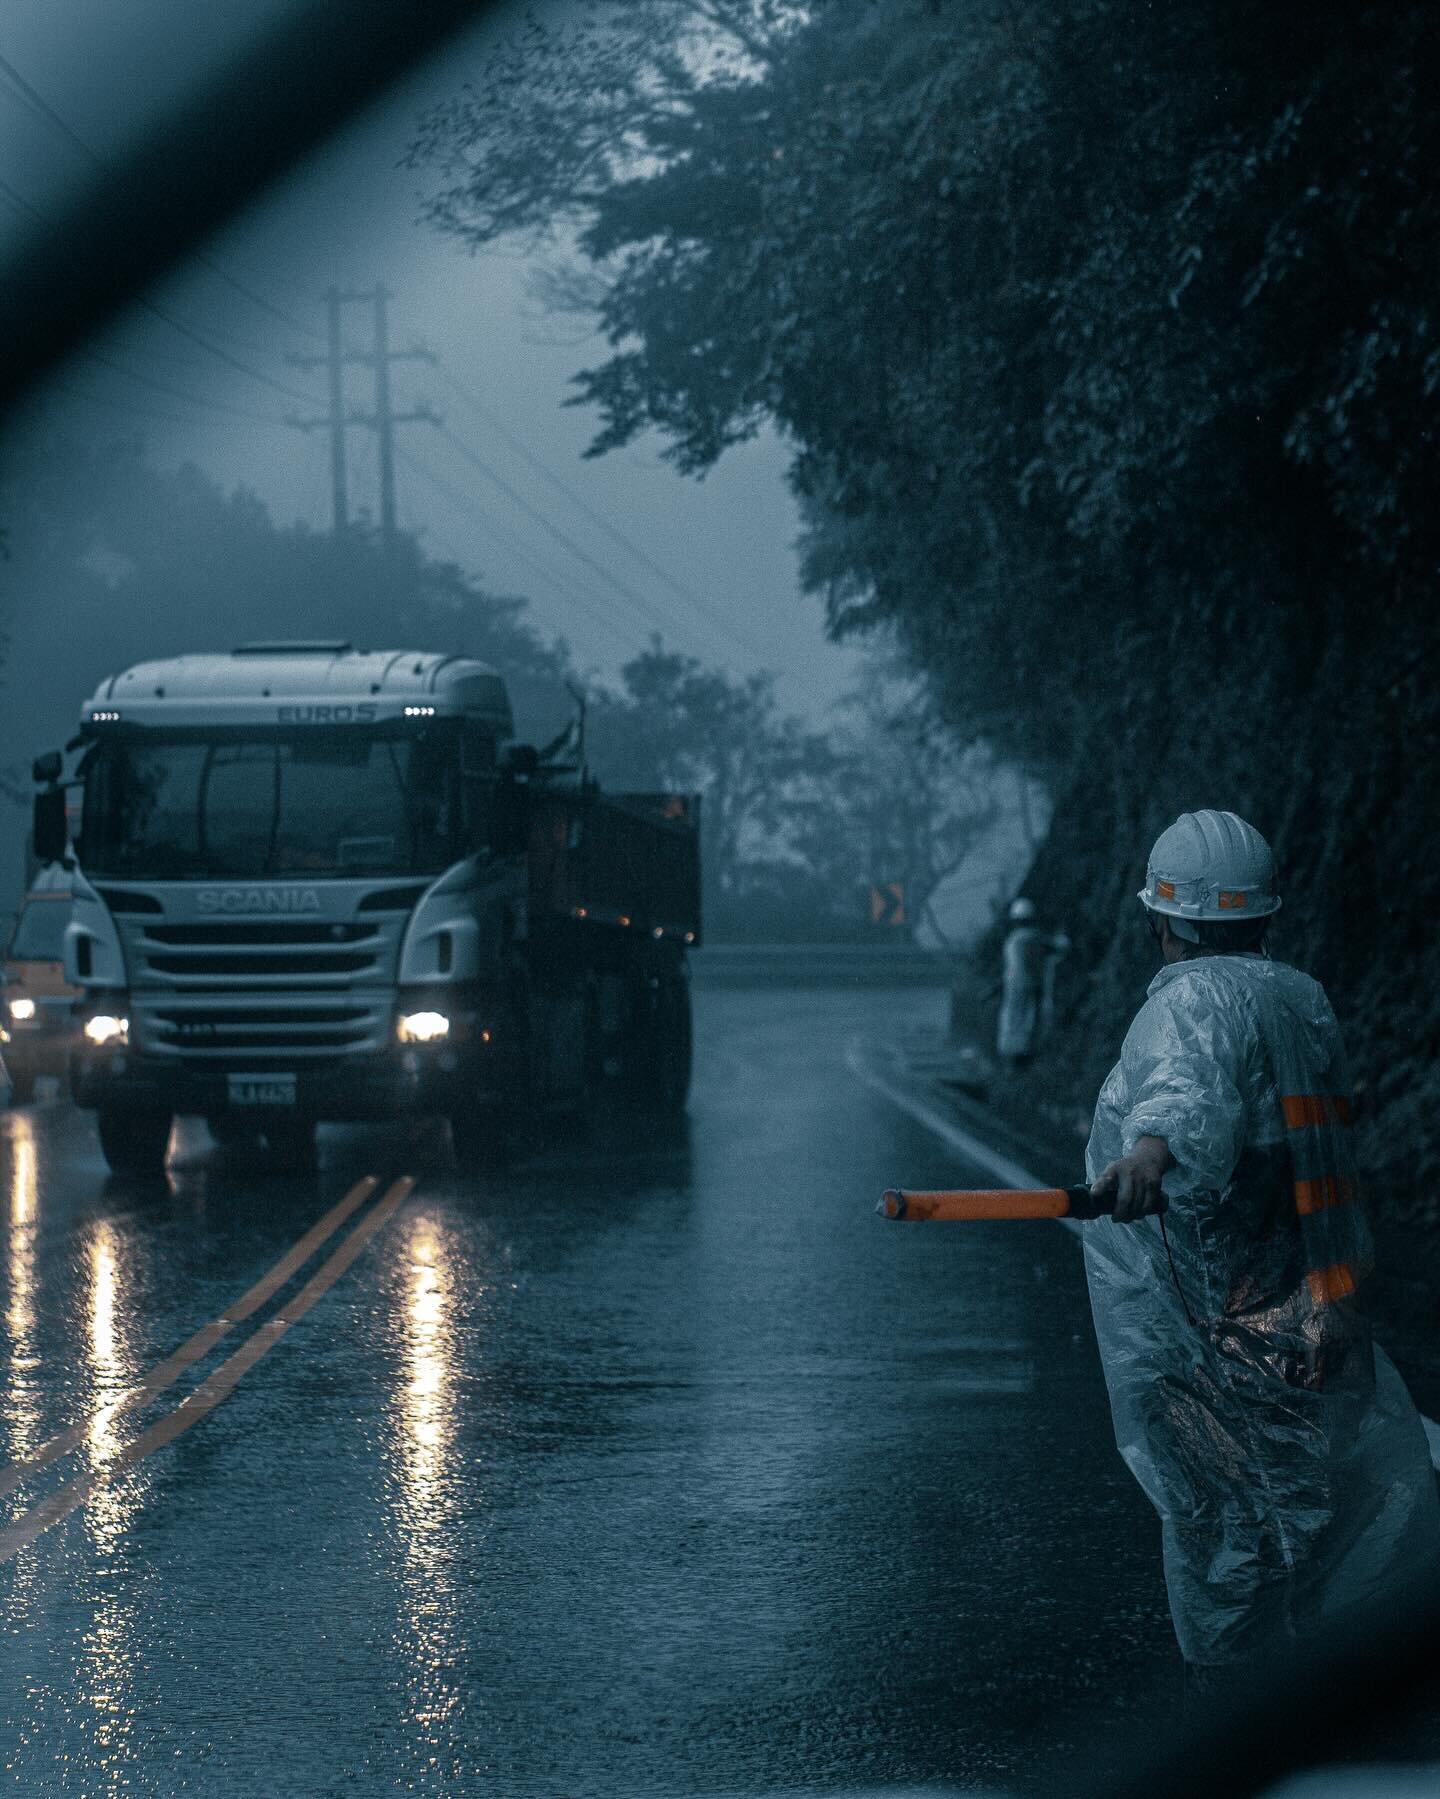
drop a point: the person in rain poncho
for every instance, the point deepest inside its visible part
(1027, 986)
(1273, 1436)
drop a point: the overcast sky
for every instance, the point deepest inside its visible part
(728, 592)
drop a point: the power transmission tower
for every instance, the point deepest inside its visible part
(382, 420)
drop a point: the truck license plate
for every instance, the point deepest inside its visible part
(262, 1089)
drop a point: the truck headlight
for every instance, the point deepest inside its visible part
(422, 1027)
(106, 1031)
(22, 1010)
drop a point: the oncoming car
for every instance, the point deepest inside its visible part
(38, 1003)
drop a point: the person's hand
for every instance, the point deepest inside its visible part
(1135, 1180)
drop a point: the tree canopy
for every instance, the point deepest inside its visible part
(1106, 338)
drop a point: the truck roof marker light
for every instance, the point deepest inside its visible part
(659, 931)
(689, 936)
(624, 919)
(485, 1037)
(419, 712)
(582, 911)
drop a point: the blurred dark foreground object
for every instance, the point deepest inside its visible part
(1367, 1695)
(277, 100)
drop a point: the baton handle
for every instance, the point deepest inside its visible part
(993, 1202)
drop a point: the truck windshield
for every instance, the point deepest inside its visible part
(311, 802)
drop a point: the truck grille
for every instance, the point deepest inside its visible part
(263, 992)
(203, 1028)
(254, 954)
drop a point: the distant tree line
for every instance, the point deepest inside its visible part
(1108, 340)
(114, 560)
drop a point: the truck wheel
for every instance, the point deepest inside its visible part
(674, 1048)
(657, 1065)
(587, 1104)
(134, 1141)
(231, 1132)
(483, 1137)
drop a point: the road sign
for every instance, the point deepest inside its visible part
(887, 903)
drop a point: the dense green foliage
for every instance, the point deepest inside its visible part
(1107, 337)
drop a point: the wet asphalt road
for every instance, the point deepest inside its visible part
(655, 1466)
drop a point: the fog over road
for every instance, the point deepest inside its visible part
(657, 1465)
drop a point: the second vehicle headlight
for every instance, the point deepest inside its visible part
(106, 1031)
(22, 1010)
(422, 1027)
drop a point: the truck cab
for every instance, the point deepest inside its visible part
(314, 883)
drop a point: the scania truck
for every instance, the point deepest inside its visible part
(312, 884)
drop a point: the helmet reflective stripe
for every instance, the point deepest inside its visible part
(1210, 865)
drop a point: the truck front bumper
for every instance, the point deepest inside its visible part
(402, 1083)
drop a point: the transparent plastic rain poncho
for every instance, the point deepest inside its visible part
(1029, 958)
(1275, 1439)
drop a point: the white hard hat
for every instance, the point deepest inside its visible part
(1021, 909)
(1210, 865)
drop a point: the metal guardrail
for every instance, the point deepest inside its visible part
(819, 965)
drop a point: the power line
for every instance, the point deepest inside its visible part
(725, 626)
(19, 201)
(127, 407)
(561, 592)
(721, 625)
(179, 393)
(591, 605)
(39, 104)
(478, 462)
(234, 362)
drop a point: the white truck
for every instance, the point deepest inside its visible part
(312, 883)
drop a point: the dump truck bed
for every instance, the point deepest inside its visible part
(630, 860)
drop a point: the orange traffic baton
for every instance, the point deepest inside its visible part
(994, 1202)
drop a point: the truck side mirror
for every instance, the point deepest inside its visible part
(47, 768)
(51, 828)
(521, 759)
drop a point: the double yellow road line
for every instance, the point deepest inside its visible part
(216, 1386)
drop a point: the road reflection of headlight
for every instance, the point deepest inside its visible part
(22, 1009)
(106, 1031)
(422, 1027)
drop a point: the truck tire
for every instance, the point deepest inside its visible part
(657, 1064)
(483, 1138)
(676, 1048)
(134, 1141)
(231, 1132)
(586, 1105)
(292, 1145)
